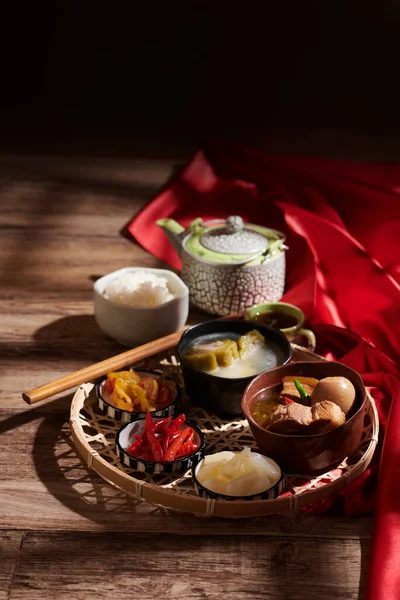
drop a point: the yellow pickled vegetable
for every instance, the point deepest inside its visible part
(226, 355)
(119, 395)
(249, 342)
(210, 356)
(129, 396)
(130, 391)
(202, 362)
(150, 387)
(125, 375)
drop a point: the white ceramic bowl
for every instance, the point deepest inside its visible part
(133, 325)
(268, 494)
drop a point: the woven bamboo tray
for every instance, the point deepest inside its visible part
(93, 434)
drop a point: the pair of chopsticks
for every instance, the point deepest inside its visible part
(106, 366)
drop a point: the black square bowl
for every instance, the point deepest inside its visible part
(219, 394)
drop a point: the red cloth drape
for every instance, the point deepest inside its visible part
(342, 221)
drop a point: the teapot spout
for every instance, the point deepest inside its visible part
(174, 232)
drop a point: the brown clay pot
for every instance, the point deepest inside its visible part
(307, 454)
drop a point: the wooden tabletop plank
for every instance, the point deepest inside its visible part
(82, 566)
(94, 506)
(10, 543)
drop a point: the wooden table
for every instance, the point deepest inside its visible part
(65, 533)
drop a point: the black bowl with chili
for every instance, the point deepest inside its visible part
(166, 445)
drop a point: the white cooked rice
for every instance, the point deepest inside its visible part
(139, 288)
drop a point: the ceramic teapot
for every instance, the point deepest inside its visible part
(229, 265)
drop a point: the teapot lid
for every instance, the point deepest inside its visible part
(234, 238)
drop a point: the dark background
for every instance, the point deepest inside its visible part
(165, 75)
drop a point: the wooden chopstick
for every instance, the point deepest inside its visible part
(102, 368)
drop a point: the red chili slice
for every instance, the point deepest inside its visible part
(109, 385)
(161, 425)
(135, 448)
(155, 447)
(148, 425)
(186, 448)
(177, 422)
(176, 444)
(164, 397)
(288, 400)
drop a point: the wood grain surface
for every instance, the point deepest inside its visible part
(176, 567)
(10, 546)
(65, 533)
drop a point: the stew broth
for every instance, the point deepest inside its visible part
(264, 405)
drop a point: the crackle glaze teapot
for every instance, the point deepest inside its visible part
(229, 265)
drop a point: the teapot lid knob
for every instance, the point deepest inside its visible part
(234, 224)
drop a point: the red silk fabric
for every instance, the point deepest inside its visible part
(342, 222)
